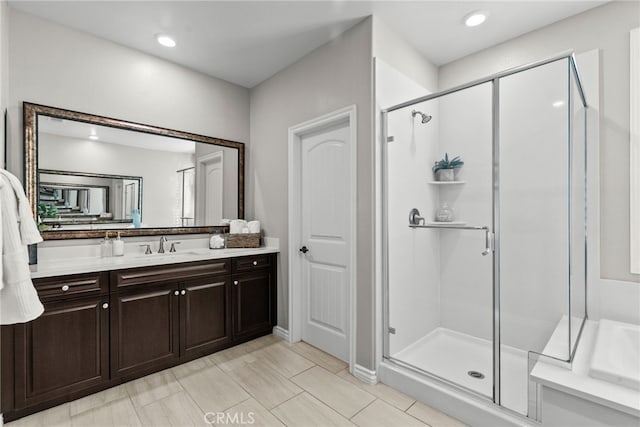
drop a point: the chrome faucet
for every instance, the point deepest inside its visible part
(161, 248)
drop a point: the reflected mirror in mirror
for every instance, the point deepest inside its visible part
(74, 199)
(96, 173)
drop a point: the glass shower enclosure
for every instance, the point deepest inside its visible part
(487, 271)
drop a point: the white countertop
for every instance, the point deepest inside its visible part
(76, 265)
(576, 381)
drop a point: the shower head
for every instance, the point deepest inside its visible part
(425, 117)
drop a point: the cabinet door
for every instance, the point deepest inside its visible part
(144, 330)
(254, 305)
(63, 351)
(205, 311)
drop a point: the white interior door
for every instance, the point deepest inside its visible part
(326, 230)
(209, 189)
(213, 191)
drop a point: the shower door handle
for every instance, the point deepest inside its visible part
(487, 241)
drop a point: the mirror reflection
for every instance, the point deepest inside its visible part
(94, 174)
(74, 199)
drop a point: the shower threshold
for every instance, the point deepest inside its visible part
(468, 361)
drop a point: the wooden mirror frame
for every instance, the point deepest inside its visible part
(31, 112)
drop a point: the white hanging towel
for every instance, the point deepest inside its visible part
(19, 301)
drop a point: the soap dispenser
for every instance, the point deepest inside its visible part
(106, 248)
(118, 246)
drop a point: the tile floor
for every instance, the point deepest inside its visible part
(265, 382)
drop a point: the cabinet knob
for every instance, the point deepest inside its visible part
(183, 292)
(176, 292)
(65, 288)
(235, 282)
(105, 305)
(255, 262)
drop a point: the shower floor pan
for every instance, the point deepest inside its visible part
(459, 358)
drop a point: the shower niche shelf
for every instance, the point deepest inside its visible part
(446, 182)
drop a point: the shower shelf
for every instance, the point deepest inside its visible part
(454, 225)
(446, 182)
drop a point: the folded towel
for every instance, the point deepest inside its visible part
(254, 226)
(237, 225)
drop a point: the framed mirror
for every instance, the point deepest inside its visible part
(87, 174)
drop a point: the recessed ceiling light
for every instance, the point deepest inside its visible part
(558, 104)
(93, 137)
(165, 40)
(476, 18)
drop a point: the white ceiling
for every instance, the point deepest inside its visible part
(246, 42)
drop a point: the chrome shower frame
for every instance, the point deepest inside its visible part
(495, 81)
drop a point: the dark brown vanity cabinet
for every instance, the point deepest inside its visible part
(101, 329)
(253, 296)
(163, 314)
(205, 310)
(64, 352)
(144, 330)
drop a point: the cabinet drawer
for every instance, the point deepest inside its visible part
(76, 285)
(251, 263)
(121, 279)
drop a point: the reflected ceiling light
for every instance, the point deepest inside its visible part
(93, 137)
(165, 40)
(558, 104)
(476, 18)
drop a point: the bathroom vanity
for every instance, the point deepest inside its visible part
(119, 322)
(113, 319)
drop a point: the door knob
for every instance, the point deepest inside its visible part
(176, 292)
(304, 249)
(105, 305)
(183, 292)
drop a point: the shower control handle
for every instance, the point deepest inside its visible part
(487, 240)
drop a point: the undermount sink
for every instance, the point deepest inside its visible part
(203, 251)
(616, 354)
(156, 255)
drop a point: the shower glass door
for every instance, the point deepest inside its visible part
(477, 300)
(541, 221)
(440, 273)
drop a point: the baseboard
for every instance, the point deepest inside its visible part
(364, 374)
(281, 332)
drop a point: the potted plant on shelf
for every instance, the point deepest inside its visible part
(46, 211)
(444, 169)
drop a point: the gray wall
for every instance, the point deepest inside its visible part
(335, 75)
(54, 65)
(605, 28)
